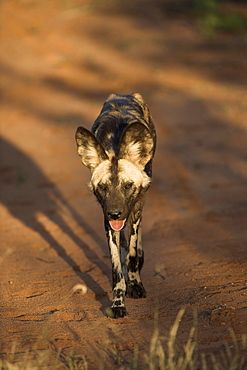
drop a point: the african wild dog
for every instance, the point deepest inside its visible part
(119, 153)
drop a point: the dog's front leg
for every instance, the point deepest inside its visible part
(134, 261)
(118, 282)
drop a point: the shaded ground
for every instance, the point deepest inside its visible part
(59, 62)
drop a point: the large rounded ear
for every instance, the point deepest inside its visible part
(136, 145)
(89, 149)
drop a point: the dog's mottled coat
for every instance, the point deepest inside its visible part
(119, 153)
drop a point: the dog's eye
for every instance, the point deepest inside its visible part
(128, 185)
(102, 186)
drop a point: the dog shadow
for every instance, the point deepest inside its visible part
(27, 192)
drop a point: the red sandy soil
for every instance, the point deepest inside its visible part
(59, 62)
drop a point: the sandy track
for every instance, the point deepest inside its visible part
(58, 64)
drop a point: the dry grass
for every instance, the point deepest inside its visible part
(164, 354)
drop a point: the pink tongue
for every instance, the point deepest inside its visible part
(117, 225)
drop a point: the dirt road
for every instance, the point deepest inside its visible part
(59, 62)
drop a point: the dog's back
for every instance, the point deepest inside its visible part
(118, 112)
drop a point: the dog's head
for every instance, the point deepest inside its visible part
(117, 179)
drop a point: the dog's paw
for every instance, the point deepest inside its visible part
(135, 290)
(116, 312)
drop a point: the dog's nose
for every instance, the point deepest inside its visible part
(114, 215)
